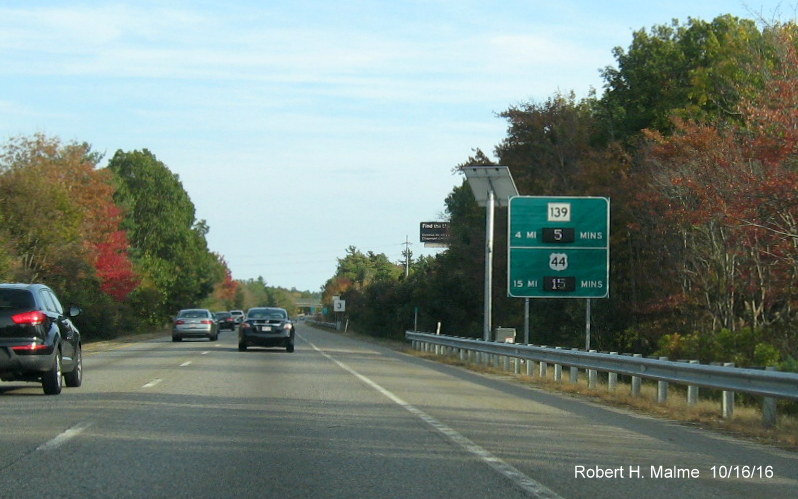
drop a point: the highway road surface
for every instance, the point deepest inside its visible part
(345, 418)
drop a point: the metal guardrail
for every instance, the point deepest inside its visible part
(331, 325)
(733, 379)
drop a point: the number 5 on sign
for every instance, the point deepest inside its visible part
(559, 212)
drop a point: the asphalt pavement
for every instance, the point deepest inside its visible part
(341, 417)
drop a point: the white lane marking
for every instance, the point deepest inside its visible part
(186, 363)
(526, 483)
(152, 383)
(64, 437)
(206, 352)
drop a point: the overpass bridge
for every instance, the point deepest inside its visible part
(308, 306)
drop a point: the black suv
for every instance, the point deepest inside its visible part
(38, 341)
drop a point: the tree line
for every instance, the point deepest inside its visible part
(694, 138)
(121, 240)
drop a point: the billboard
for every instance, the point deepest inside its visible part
(434, 232)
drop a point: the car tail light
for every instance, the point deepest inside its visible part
(206, 321)
(179, 321)
(34, 318)
(32, 348)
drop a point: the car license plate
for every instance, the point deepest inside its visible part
(265, 328)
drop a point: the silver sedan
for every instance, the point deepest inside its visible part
(195, 323)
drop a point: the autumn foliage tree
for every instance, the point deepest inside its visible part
(61, 225)
(726, 198)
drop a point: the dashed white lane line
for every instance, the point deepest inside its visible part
(186, 363)
(526, 483)
(152, 383)
(64, 437)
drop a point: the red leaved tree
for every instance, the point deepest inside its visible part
(728, 197)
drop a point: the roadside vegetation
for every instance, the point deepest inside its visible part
(121, 240)
(694, 139)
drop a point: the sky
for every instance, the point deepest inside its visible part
(300, 128)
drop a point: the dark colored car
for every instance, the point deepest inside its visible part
(38, 341)
(266, 327)
(225, 320)
(195, 323)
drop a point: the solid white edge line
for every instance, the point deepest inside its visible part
(64, 437)
(509, 471)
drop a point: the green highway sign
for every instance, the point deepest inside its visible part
(558, 247)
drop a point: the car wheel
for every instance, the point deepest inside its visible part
(176, 338)
(242, 347)
(51, 380)
(74, 378)
(214, 337)
(289, 347)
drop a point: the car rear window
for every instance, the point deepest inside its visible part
(193, 314)
(15, 299)
(266, 314)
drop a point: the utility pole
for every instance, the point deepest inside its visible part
(406, 253)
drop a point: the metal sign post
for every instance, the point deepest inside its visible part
(491, 185)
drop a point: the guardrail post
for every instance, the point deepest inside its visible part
(574, 370)
(728, 398)
(516, 365)
(592, 376)
(636, 380)
(506, 362)
(692, 391)
(612, 378)
(530, 368)
(543, 366)
(558, 369)
(662, 389)
(769, 408)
